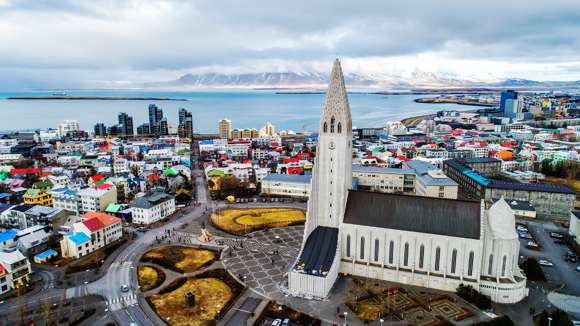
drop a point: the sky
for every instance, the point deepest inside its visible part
(106, 43)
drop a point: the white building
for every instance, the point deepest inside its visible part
(96, 199)
(421, 241)
(291, 185)
(394, 128)
(153, 208)
(67, 126)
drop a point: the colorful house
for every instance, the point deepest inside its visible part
(37, 196)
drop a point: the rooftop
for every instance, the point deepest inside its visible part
(78, 238)
(297, 178)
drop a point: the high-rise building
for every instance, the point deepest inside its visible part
(100, 130)
(127, 123)
(143, 129)
(268, 129)
(508, 95)
(185, 124)
(162, 127)
(116, 130)
(67, 127)
(155, 116)
(224, 128)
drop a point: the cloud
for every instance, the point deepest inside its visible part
(57, 43)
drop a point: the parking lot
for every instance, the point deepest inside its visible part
(562, 271)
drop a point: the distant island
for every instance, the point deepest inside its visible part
(108, 98)
(450, 91)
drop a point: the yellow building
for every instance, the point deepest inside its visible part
(247, 133)
(224, 127)
(37, 196)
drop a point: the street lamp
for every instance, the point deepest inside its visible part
(225, 265)
(382, 320)
(244, 281)
(278, 222)
(246, 228)
(549, 320)
(286, 300)
(218, 306)
(346, 313)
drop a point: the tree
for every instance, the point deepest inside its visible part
(186, 183)
(135, 171)
(288, 150)
(211, 184)
(305, 149)
(20, 299)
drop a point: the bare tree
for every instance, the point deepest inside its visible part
(47, 306)
(20, 299)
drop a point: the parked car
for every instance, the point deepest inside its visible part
(281, 200)
(521, 228)
(125, 288)
(573, 255)
(286, 322)
(525, 236)
(300, 200)
(272, 200)
(277, 322)
(566, 225)
(571, 259)
(556, 235)
(545, 263)
(578, 268)
(291, 200)
(558, 241)
(255, 200)
(142, 229)
(276, 200)
(237, 200)
(532, 244)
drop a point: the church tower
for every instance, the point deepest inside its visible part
(317, 266)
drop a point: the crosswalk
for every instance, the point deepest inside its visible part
(122, 299)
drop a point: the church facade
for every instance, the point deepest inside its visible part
(423, 241)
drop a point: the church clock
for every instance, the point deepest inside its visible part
(331, 145)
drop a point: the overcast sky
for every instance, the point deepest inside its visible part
(98, 43)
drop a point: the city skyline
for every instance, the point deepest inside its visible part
(103, 44)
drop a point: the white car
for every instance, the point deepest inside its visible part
(556, 235)
(578, 268)
(125, 288)
(521, 228)
(525, 236)
(532, 244)
(545, 263)
(277, 322)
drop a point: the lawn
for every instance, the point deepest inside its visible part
(234, 220)
(209, 292)
(180, 259)
(150, 277)
(560, 182)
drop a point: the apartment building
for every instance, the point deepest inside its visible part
(292, 185)
(152, 208)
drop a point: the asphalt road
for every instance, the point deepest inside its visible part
(562, 271)
(242, 315)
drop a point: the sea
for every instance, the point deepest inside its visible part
(246, 108)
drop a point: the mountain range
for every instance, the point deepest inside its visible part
(312, 79)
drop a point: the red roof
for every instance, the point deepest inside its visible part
(153, 177)
(291, 160)
(97, 177)
(102, 186)
(238, 142)
(278, 150)
(23, 171)
(372, 157)
(493, 152)
(274, 144)
(93, 224)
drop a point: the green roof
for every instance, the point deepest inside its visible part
(113, 208)
(100, 182)
(169, 171)
(32, 193)
(215, 173)
(42, 184)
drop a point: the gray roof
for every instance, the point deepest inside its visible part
(298, 178)
(517, 204)
(358, 168)
(150, 201)
(428, 215)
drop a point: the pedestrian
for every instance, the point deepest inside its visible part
(283, 266)
(230, 252)
(337, 310)
(234, 247)
(272, 261)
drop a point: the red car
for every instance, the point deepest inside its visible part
(566, 225)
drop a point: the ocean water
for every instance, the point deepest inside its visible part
(245, 108)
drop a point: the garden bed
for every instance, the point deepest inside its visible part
(181, 259)
(274, 310)
(235, 220)
(150, 277)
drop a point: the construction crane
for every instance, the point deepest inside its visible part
(561, 109)
(181, 140)
(303, 126)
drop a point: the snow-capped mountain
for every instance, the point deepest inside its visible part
(307, 79)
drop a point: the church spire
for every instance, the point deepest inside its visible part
(336, 108)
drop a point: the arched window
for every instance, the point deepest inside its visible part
(339, 128)
(406, 255)
(362, 247)
(391, 251)
(377, 249)
(453, 261)
(437, 258)
(490, 264)
(421, 255)
(325, 127)
(504, 262)
(332, 125)
(470, 263)
(348, 245)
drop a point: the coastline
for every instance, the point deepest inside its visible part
(106, 98)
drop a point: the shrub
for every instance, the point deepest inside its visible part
(533, 270)
(559, 318)
(469, 294)
(499, 321)
(173, 285)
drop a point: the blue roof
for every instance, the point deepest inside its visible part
(46, 254)
(10, 234)
(288, 178)
(4, 195)
(207, 142)
(477, 177)
(138, 180)
(78, 238)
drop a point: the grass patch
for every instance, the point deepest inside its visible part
(233, 220)
(180, 259)
(562, 182)
(209, 292)
(150, 277)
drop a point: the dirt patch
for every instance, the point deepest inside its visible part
(274, 310)
(211, 288)
(150, 277)
(89, 261)
(180, 259)
(234, 220)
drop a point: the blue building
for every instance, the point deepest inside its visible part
(507, 95)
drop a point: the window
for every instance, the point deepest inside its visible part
(421, 255)
(376, 246)
(406, 255)
(325, 127)
(391, 251)
(332, 125)
(490, 264)
(348, 245)
(362, 247)
(437, 258)
(339, 128)
(503, 265)
(470, 264)
(453, 261)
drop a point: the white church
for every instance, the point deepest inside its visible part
(424, 241)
